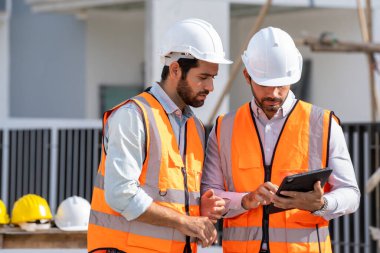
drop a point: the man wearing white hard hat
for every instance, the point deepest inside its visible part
(251, 150)
(147, 191)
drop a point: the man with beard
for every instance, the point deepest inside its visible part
(251, 150)
(147, 191)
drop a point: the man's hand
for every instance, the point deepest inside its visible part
(195, 226)
(212, 206)
(310, 201)
(263, 195)
(199, 227)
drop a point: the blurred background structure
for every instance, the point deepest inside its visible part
(64, 62)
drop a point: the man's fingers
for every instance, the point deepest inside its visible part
(202, 237)
(220, 202)
(215, 237)
(291, 194)
(210, 233)
(208, 194)
(213, 220)
(318, 188)
(218, 209)
(270, 187)
(215, 216)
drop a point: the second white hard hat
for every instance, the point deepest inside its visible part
(272, 58)
(73, 214)
(192, 38)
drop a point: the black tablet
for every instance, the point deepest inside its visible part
(302, 182)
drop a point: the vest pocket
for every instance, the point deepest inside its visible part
(194, 179)
(249, 175)
(146, 236)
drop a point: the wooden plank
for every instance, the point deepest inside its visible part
(11, 238)
(1, 240)
(373, 181)
(334, 45)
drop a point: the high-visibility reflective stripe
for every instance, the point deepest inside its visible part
(316, 137)
(287, 235)
(152, 175)
(136, 227)
(225, 147)
(242, 233)
(200, 130)
(109, 221)
(172, 196)
(169, 196)
(99, 181)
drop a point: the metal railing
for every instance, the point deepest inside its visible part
(59, 158)
(350, 233)
(52, 158)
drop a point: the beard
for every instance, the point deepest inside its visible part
(185, 92)
(269, 108)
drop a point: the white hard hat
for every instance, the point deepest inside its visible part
(192, 38)
(73, 214)
(272, 58)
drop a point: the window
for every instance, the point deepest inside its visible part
(112, 95)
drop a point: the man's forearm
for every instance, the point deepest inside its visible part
(161, 216)
(195, 226)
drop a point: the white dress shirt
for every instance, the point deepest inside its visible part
(344, 196)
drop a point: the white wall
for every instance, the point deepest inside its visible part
(46, 64)
(4, 66)
(161, 14)
(339, 81)
(114, 52)
(376, 39)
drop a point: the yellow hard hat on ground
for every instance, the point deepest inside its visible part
(29, 208)
(4, 218)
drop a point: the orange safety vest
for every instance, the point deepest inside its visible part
(169, 180)
(301, 146)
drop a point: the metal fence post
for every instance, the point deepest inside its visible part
(5, 167)
(53, 169)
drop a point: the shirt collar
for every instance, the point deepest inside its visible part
(169, 106)
(282, 112)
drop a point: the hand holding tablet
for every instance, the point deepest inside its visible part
(303, 182)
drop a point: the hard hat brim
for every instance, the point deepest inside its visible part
(273, 82)
(74, 228)
(217, 61)
(214, 60)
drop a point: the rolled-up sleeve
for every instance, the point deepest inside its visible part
(212, 178)
(125, 148)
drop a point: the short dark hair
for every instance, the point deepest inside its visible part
(184, 64)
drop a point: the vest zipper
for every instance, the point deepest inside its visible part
(265, 226)
(187, 248)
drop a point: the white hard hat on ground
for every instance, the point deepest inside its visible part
(272, 58)
(192, 38)
(73, 214)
